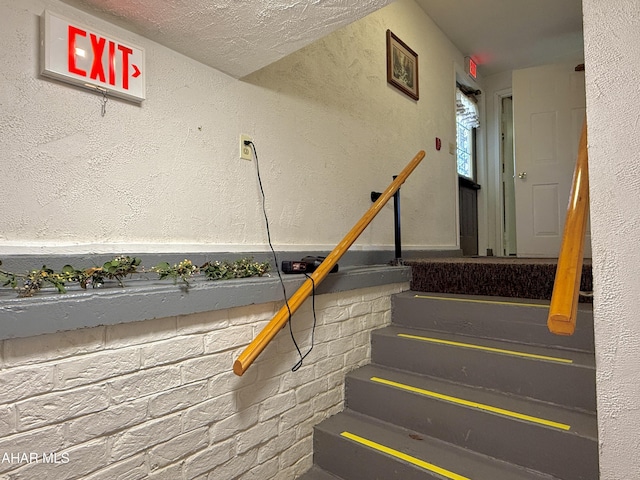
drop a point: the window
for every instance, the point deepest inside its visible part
(465, 150)
(466, 121)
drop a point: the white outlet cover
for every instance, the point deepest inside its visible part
(245, 150)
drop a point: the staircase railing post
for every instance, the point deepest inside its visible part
(396, 223)
(396, 226)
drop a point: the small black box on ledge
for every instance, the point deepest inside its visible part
(306, 265)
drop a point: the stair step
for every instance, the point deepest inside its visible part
(357, 447)
(466, 387)
(509, 319)
(316, 473)
(500, 276)
(561, 377)
(518, 430)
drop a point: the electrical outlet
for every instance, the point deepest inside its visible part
(245, 150)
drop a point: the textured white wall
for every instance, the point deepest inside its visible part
(327, 126)
(612, 57)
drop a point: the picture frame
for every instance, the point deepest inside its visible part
(402, 66)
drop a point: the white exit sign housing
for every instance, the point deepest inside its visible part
(79, 55)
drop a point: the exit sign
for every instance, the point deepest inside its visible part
(76, 54)
(471, 67)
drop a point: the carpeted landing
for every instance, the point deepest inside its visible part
(496, 276)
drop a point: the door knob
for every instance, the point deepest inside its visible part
(522, 175)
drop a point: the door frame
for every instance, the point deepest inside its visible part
(497, 177)
(508, 175)
(482, 176)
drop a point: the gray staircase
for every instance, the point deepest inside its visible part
(465, 387)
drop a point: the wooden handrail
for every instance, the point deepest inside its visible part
(280, 319)
(566, 288)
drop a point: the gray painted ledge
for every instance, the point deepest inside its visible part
(146, 299)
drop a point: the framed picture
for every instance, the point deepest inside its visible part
(402, 66)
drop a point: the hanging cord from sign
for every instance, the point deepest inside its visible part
(103, 109)
(298, 364)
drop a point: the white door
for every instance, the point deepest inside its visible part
(549, 108)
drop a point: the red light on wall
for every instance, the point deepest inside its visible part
(471, 67)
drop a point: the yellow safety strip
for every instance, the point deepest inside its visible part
(469, 403)
(492, 302)
(403, 456)
(486, 349)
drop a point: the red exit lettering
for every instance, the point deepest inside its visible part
(99, 47)
(473, 68)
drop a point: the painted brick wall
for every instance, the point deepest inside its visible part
(158, 399)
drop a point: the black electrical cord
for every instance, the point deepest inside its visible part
(298, 364)
(313, 328)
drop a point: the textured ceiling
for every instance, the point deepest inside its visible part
(240, 37)
(236, 37)
(503, 35)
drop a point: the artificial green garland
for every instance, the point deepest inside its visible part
(124, 266)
